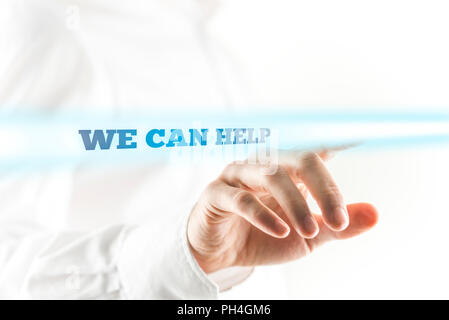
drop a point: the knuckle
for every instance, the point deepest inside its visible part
(310, 160)
(213, 185)
(211, 188)
(233, 165)
(280, 173)
(243, 199)
(230, 170)
(227, 170)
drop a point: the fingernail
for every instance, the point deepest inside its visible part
(309, 227)
(341, 219)
(281, 228)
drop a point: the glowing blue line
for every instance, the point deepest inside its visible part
(290, 125)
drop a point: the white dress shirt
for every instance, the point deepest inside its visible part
(107, 231)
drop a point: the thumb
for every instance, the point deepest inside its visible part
(362, 217)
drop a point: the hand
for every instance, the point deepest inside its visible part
(247, 217)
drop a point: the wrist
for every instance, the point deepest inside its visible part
(209, 263)
(208, 248)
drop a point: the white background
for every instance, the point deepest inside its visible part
(354, 55)
(296, 54)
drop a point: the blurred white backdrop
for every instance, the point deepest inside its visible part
(356, 55)
(349, 54)
(340, 53)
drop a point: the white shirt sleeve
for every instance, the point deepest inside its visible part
(162, 267)
(116, 262)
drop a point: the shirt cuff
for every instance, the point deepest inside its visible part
(155, 262)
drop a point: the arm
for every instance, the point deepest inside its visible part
(116, 262)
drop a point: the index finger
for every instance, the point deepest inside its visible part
(310, 169)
